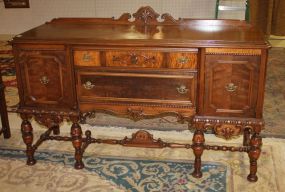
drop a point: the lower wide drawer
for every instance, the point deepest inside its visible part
(136, 87)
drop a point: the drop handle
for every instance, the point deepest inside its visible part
(230, 87)
(182, 89)
(44, 80)
(88, 85)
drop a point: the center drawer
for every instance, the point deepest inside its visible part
(171, 59)
(136, 87)
(134, 59)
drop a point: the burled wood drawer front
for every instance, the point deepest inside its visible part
(182, 60)
(231, 85)
(134, 59)
(46, 78)
(87, 58)
(128, 87)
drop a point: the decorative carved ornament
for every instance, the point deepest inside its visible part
(245, 122)
(50, 112)
(135, 115)
(147, 16)
(143, 138)
(49, 120)
(228, 128)
(228, 131)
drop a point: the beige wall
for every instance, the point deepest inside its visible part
(14, 21)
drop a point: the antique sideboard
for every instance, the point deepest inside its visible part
(207, 73)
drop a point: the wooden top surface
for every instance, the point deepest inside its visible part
(146, 30)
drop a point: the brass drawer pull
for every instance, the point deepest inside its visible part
(86, 57)
(231, 87)
(183, 60)
(44, 80)
(88, 85)
(182, 89)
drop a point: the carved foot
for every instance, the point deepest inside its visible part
(197, 173)
(198, 148)
(252, 178)
(27, 135)
(31, 162)
(76, 134)
(79, 165)
(254, 153)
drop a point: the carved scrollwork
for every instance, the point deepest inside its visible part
(228, 126)
(49, 120)
(32, 112)
(228, 131)
(169, 19)
(146, 15)
(143, 138)
(135, 115)
(83, 117)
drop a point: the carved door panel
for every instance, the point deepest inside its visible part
(231, 85)
(46, 79)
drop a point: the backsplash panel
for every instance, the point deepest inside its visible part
(15, 21)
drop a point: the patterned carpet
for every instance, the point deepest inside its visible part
(130, 174)
(274, 104)
(136, 169)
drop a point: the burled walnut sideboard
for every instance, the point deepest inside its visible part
(208, 73)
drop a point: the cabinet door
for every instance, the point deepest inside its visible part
(231, 85)
(46, 79)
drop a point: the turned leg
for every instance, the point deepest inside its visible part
(27, 135)
(76, 134)
(254, 153)
(246, 136)
(198, 147)
(56, 130)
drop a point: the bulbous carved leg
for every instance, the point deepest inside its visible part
(254, 153)
(198, 148)
(27, 135)
(76, 134)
